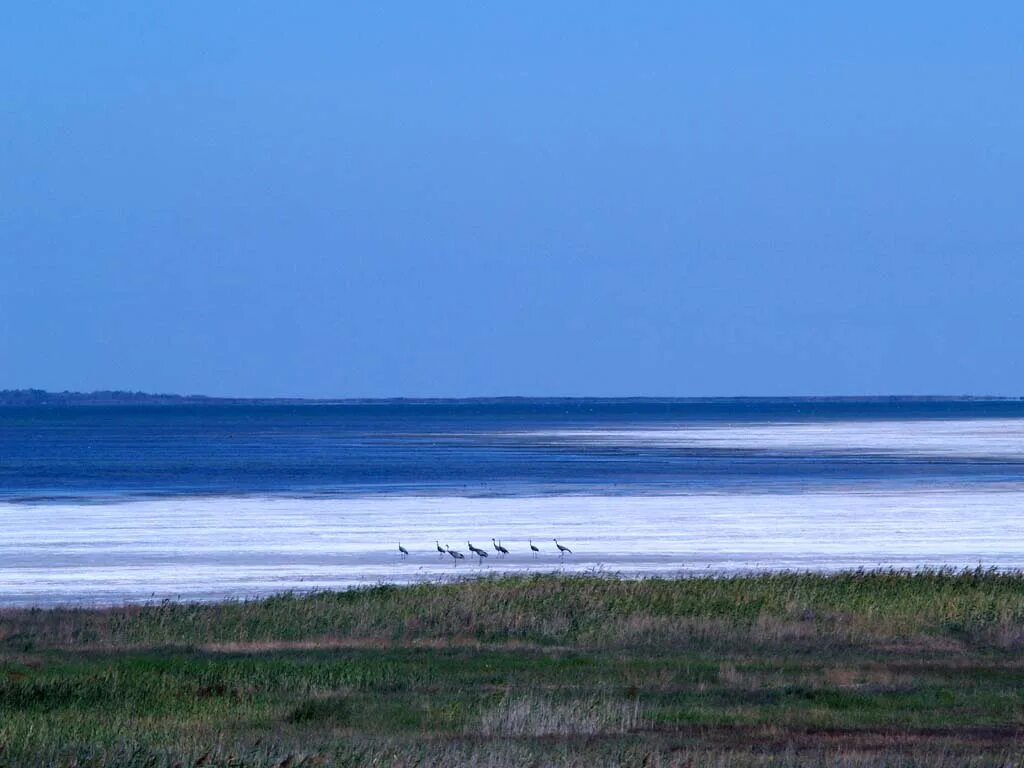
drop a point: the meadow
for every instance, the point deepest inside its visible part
(791, 669)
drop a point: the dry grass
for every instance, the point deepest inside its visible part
(533, 715)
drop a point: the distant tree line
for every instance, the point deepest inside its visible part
(100, 397)
(30, 397)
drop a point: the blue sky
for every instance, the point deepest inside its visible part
(378, 199)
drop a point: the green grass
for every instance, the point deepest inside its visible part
(860, 669)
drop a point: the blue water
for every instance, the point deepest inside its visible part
(509, 448)
(113, 504)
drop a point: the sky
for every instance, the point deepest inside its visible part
(341, 199)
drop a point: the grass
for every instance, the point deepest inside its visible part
(857, 669)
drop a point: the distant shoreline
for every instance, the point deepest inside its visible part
(39, 397)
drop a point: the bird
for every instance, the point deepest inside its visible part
(403, 550)
(499, 548)
(477, 551)
(534, 548)
(456, 555)
(439, 547)
(562, 548)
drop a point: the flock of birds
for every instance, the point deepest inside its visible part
(500, 548)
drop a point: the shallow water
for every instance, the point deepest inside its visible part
(215, 547)
(96, 509)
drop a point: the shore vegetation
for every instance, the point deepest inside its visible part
(792, 669)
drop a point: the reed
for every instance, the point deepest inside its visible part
(857, 669)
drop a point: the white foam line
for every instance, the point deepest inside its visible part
(969, 438)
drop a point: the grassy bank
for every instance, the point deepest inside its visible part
(858, 669)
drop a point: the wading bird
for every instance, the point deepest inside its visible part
(477, 551)
(456, 555)
(499, 548)
(403, 550)
(534, 548)
(561, 548)
(439, 547)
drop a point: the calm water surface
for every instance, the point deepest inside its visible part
(105, 504)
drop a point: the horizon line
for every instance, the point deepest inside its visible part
(111, 396)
